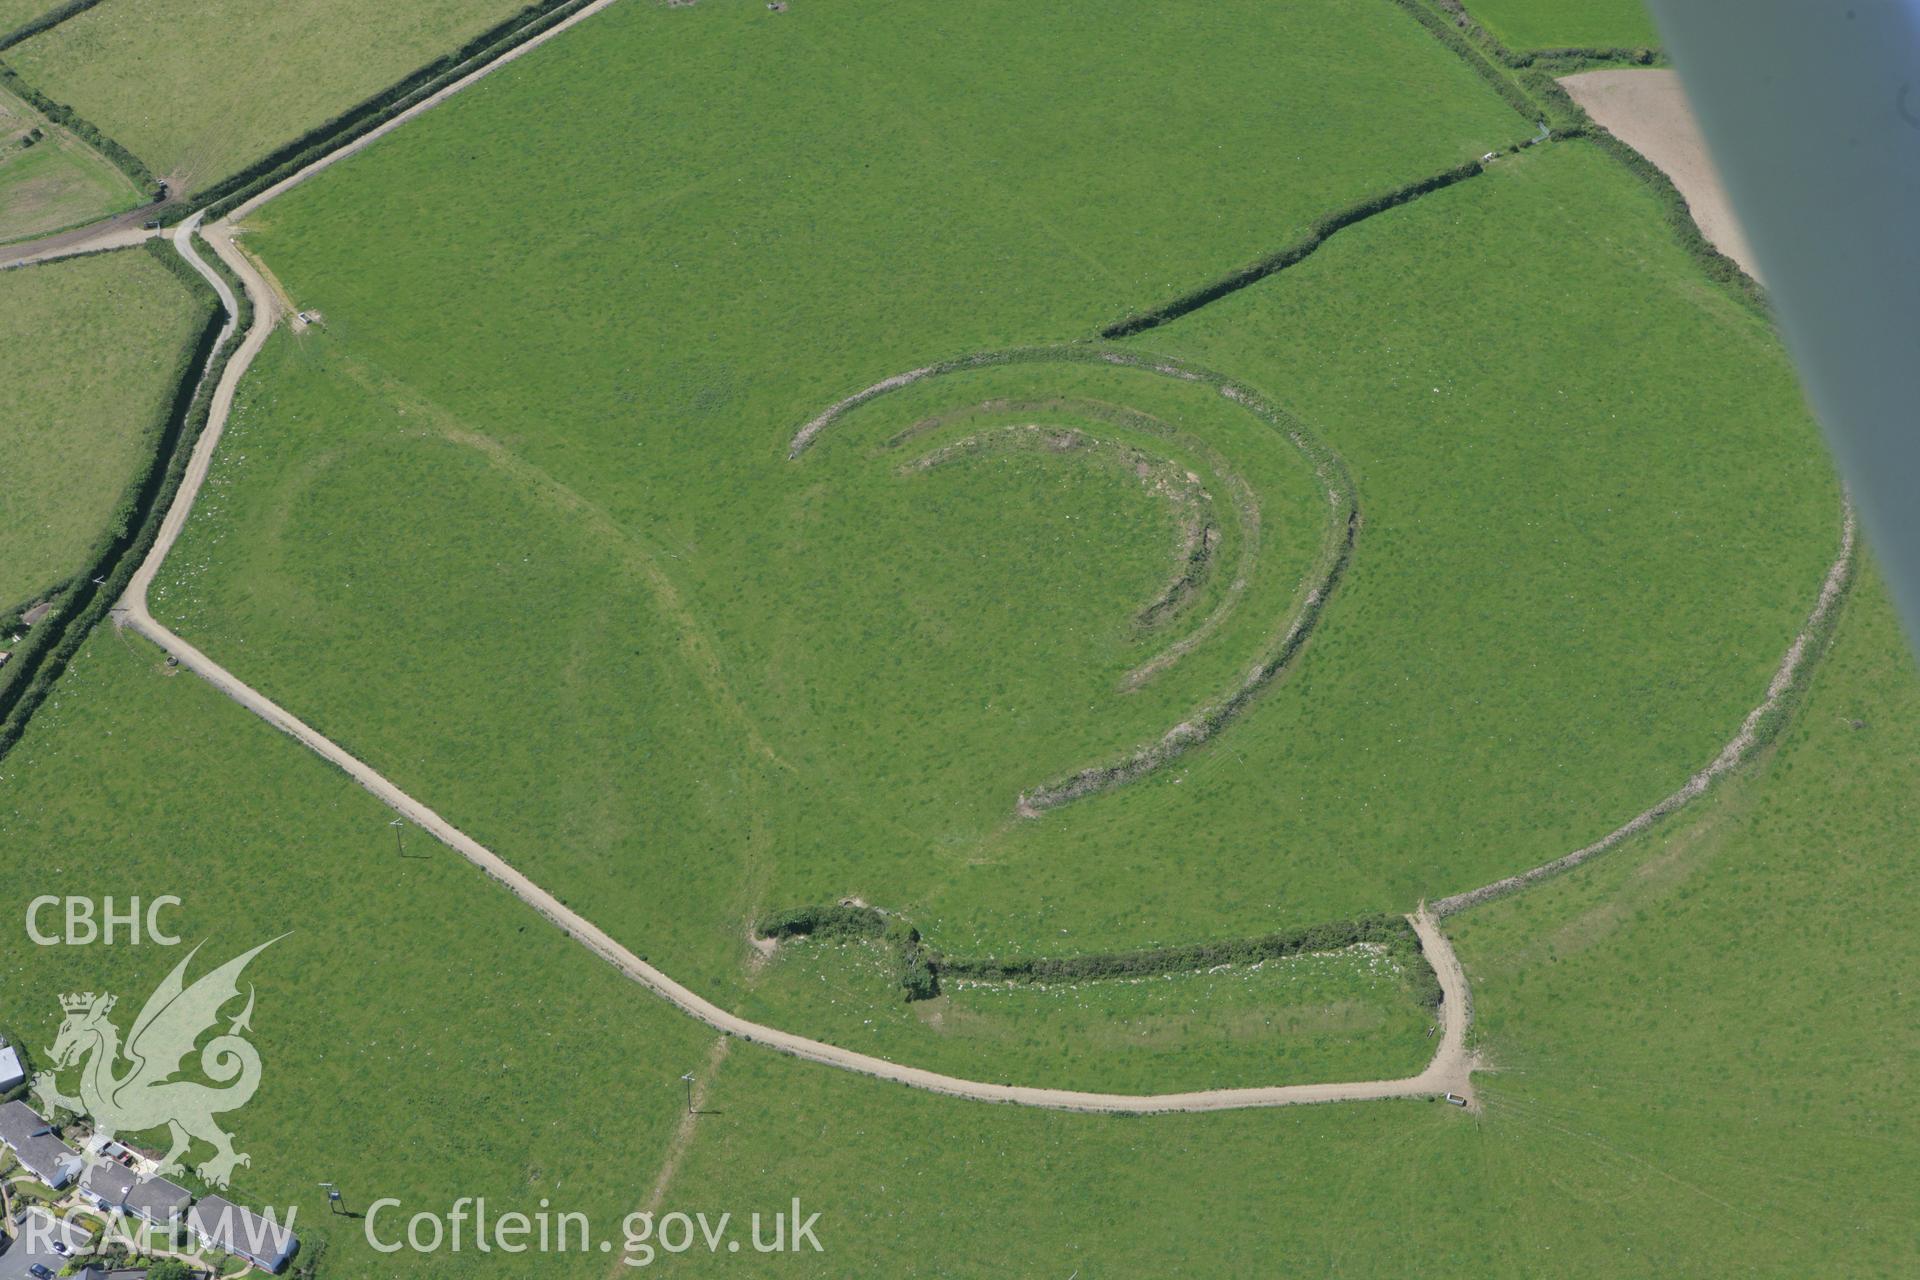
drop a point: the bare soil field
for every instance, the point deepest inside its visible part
(1648, 110)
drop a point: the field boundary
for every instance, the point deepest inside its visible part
(80, 127)
(45, 22)
(1535, 76)
(1581, 57)
(86, 597)
(483, 51)
(1759, 727)
(921, 968)
(1319, 231)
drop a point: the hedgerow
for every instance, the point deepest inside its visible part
(73, 123)
(1451, 36)
(1321, 228)
(225, 195)
(51, 18)
(921, 968)
(28, 678)
(1566, 119)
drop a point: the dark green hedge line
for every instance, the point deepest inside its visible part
(1255, 272)
(38, 663)
(1451, 36)
(1582, 57)
(51, 18)
(1388, 930)
(823, 922)
(1679, 216)
(177, 267)
(235, 189)
(848, 923)
(68, 119)
(1566, 119)
(921, 969)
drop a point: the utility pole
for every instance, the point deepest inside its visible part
(399, 826)
(688, 1078)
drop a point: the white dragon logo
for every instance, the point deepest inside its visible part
(146, 1096)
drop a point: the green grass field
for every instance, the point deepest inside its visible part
(56, 181)
(1341, 1016)
(586, 460)
(1464, 709)
(162, 77)
(518, 524)
(94, 348)
(414, 1052)
(15, 12)
(1567, 24)
(1702, 1046)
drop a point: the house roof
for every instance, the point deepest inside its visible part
(18, 1121)
(156, 1199)
(11, 1072)
(240, 1231)
(31, 1137)
(108, 1180)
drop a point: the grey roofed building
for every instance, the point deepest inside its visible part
(157, 1200)
(220, 1223)
(11, 1072)
(44, 1156)
(107, 1183)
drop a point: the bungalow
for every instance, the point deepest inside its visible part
(11, 1072)
(221, 1224)
(106, 1184)
(157, 1201)
(31, 1138)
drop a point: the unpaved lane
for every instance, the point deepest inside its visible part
(115, 233)
(1648, 110)
(1448, 1072)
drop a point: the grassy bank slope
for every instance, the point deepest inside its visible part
(93, 347)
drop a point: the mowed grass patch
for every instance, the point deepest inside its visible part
(94, 348)
(1701, 1052)
(1343, 1015)
(54, 181)
(165, 78)
(423, 1036)
(1567, 24)
(734, 220)
(1561, 603)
